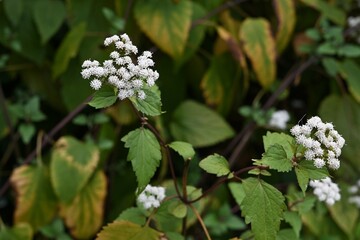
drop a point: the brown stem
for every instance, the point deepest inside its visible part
(200, 221)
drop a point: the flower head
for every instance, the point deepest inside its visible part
(326, 191)
(279, 119)
(322, 142)
(151, 196)
(354, 191)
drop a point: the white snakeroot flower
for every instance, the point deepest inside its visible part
(130, 78)
(279, 119)
(151, 196)
(322, 142)
(354, 191)
(326, 191)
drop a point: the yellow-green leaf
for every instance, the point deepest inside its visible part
(259, 46)
(84, 216)
(36, 202)
(72, 164)
(124, 230)
(21, 231)
(166, 23)
(285, 11)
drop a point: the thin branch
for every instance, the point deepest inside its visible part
(200, 221)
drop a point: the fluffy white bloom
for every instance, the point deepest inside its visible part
(151, 196)
(120, 71)
(322, 142)
(279, 119)
(326, 191)
(354, 191)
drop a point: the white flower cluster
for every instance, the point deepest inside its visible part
(355, 194)
(151, 196)
(279, 119)
(322, 142)
(354, 22)
(326, 190)
(120, 71)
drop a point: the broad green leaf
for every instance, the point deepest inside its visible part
(285, 12)
(13, 10)
(350, 71)
(166, 23)
(48, 16)
(259, 46)
(275, 157)
(263, 207)
(32, 110)
(237, 190)
(124, 230)
(27, 131)
(144, 154)
(178, 208)
(184, 149)
(219, 83)
(68, 49)
(134, 215)
(151, 105)
(294, 219)
(330, 11)
(174, 236)
(104, 97)
(327, 48)
(21, 231)
(286, 141)
(72, 164)
(286, 234)
(330, 65)
(306, 171)
(215, 164)
(36, 202)
(349, 50)
(200, 126)
(300, 203)
(84, 215)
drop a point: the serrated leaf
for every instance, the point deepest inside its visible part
(21, 231)
(84, 216)
(259, 46)
(124, 230)
(286, 234)
(72, 164)
(237, 191)
(263, 207)
(178, 208)
(350, 71)
(184, 149)
(144, 154)
(68, 49)
(104, 97)
(294, 219)
(27, 131)
(13, 10)
(166, 23)
(200, 126)
(306, 171)
(275, 157)
(285, 12)
(215, 164)
(36, 202)
(47, 20)
(133, 215)
(151, 105)
(285, 140)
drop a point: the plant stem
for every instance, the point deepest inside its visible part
(200, 221)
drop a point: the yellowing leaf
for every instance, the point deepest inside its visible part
(36, 202)
(166, 23)
(124, 230)
(85, 214)
(259, 46)
(72, 164)
(285, 11)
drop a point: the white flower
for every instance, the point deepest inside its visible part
(322, 142)
(279, 119)
(95, 84)
(326, 191)
(151, 196)
(354, 191)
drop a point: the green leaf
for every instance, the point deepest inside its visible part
(350, 71)
(327, 48)
(275, 157)
(263, 207)
(144, 154)
(124, 230)
(174, 236)
(178, 208)
(32, 110)
(21, 231)
(294, 219)
(68, 49)
(215, 164)
(27, 131)
(14, 10)
(84, 215)
(72, 164)
(166, 23)
(306, 171)
(200, 126)
(259, 46)
(349, 50)
(36, 201)
(48, 16)
(55, 228)
(117, 23)
(330, 65)
(286, 234)
(151, 105)
(285, 140)
(104, 97)
(285, 12)
(185, 149)
(237, 191)
(133, 215)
